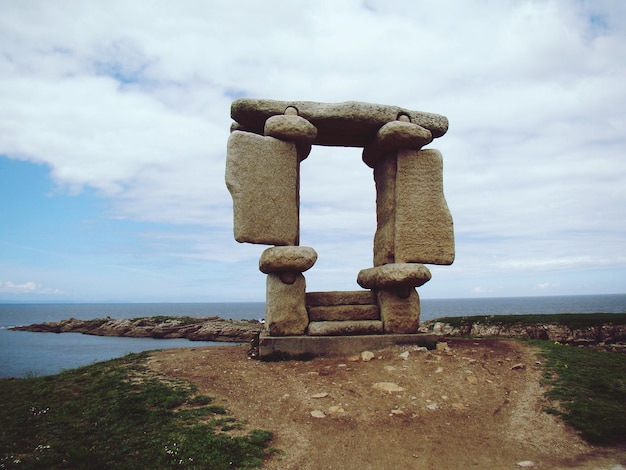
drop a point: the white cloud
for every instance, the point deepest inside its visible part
(548, 285)
(134, 101)
(29, 287)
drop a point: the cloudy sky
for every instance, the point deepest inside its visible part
(114, 118)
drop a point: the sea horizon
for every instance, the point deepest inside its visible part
(25, 354)
(113, 301)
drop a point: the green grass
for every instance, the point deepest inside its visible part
(184, 320)
(116, 414)
(589, 389)
(573, 320)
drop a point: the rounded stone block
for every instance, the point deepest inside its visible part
(287, 258)
(393, 136)
(394, 275)
(290, 127)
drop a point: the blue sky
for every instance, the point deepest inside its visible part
(114, 118)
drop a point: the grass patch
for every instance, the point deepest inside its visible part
(573, 320)
(589, 388)
(115, 414)
(183, 320)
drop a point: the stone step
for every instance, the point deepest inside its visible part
(333, 298)
(340, 328)
(344, 313)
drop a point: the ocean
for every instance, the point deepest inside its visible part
(26, 354)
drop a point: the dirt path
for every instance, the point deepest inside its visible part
(476, 405)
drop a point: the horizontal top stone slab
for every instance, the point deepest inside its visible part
(348, 124)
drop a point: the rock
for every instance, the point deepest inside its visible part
(432, 406)
(606, 334)
(397, 412)
(424, 231)
(320, 395)
(519, 366)
(349, 124)
(393, 136)
(290, 128)
(285, 313)
(263, 213)
(318, 414)
(413, 220)
(525, 464)
(335, 298)
(223, 332)
(385, 235)
(405, 355)
(367, 356)
(442, 346)
(334, 410)
(389, 387)
(400, 314)
(336, 328)
(344, 313)
(287, 258)
(394, 275)
(472, 379)
(194, 329)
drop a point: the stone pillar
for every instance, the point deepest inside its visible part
(413, 221)
(285, 303)
(385, 236)
(414, 224)
(424, 229)
(285, 309)
(262, 175)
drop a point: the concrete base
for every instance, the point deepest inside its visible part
(307, 347)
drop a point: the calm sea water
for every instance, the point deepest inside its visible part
(25, 354)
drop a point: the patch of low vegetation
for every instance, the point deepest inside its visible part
(589, 389)
(116, 414)
(182, 320)
(187, 320)
(573, 320)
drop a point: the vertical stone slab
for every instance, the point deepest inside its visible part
(262, 175)
(400, 314)
(424, 228)
(384, 239)
(285, 309)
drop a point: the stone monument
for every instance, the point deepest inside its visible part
(268, 141)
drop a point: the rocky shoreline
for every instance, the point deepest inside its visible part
(194, 329)
(608, 336)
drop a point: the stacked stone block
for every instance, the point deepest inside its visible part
(414, 227)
